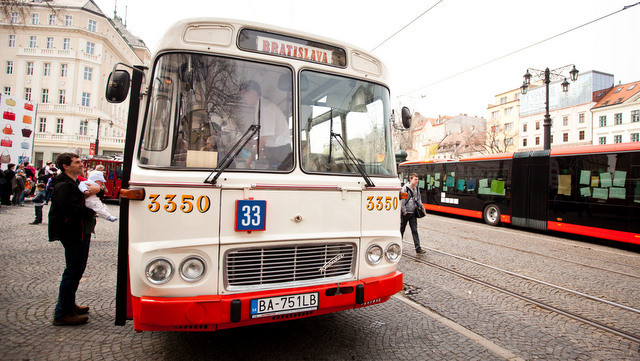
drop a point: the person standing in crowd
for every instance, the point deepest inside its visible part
(71, 223)
(408, 206)
(38, 203)
(17, 186)
(9, 174)
(30, 171)
(48, 188)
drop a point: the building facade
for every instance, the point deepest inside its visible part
(616, 115)
(503, 122)
(570, 112)
(58, 54)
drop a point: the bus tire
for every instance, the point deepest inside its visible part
(491, 215)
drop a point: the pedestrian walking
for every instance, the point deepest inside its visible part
(71, 223)
(38, 203)
(409, 206)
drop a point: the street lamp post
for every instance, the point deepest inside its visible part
(95, 152)
(547, 76)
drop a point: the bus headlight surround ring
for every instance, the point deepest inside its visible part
(159, 270)
(374, 254)
(393, 252)
(192, 269)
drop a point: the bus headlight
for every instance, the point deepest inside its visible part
(374, 254)
(159, 271)
(393, 252)
(192, 269)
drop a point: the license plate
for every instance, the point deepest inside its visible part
(264, 307)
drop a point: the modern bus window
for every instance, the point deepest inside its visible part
(356, 110)
(595, 190)
(197, 113)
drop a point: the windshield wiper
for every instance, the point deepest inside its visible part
(233, 153)
(349, 154)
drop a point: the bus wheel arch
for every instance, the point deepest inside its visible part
(491, 214)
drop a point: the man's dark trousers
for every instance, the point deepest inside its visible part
(76, 254)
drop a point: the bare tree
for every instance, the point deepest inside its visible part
(17, 12)
(499, 138)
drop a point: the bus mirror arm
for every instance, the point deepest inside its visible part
(233, 153)
(352, 158)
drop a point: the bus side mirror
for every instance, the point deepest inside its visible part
(406, 117)
(118, 86)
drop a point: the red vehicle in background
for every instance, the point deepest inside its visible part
(112, 174)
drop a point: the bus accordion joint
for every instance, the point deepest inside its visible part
(132, 193)
(404, 195)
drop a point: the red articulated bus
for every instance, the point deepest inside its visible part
(590, 190)
(112, 174)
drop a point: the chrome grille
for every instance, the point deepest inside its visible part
(266, 266)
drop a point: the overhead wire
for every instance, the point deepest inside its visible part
(519, 50)
(404, 27)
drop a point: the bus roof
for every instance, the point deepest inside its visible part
(213, 34)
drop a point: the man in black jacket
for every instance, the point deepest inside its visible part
(9, 173)
(71, 223)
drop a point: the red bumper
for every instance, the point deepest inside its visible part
(210, 313)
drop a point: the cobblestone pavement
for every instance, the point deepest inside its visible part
(393, 330)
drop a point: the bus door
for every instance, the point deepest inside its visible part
(530, 189)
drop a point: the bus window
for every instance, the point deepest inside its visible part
(356, 110)
(199, 109)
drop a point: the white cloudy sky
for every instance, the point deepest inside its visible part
(456, 35)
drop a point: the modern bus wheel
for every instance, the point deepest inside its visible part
(492, 215)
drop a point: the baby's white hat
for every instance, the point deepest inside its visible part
(97, 176)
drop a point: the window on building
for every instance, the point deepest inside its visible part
(27, 93)
(603, 120)
(635, 137)
(508, 142)
(83, 128)
(581, 135)
(617, 138)
(524, 127)
(6, 90)
(508, 126)
(602, 140)
(90, 48)
(581, 118)
(565, 137)
(508, 111)
(87, 73)
(537, 125)
(495, 114)
(42, 125)
(60, 125)
(551, 139)
(537, 140)
(565, 120)
(12, 41)
(64, 70)
(635, 116)
(52, 19)
(9, 68)
(34, 19)
(33, 41)
(503, 100)
(68, 20)
(86, 99)
(45, 96)
(524, 142)
(29, 68)
(66, 43)
(14, 18)
(93, 25)
(46, 69)
(49, 43)
(62, 96)
(617, 118)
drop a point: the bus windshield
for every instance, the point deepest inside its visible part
(200, 105)
(356, 110)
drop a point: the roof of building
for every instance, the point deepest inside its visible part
(617, 94)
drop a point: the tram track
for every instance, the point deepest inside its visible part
(548, 256)
(544, 305)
